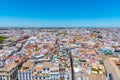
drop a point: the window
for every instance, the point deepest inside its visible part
(43, 77)
(20, 74)
(44, 69)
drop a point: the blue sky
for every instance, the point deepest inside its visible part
(59, 12)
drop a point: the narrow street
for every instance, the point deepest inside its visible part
(71, 61)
